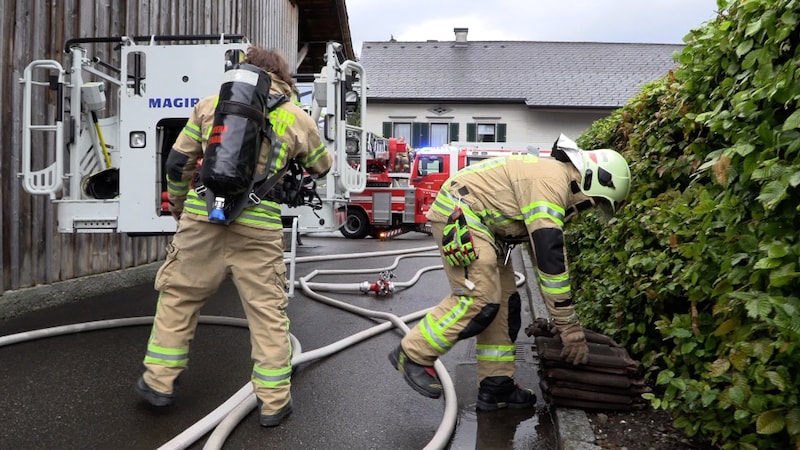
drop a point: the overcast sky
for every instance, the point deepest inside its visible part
(646, 21)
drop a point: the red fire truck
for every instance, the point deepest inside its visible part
(389, 205)
(395, 202)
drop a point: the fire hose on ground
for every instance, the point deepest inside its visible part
(227, 416)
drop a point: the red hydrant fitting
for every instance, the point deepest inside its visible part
(381, 287)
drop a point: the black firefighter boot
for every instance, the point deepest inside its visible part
(152, 396)
(501, 392)
(422, 378)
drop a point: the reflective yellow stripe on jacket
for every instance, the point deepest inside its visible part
(315, 155)
(266, 214)
(554, 284)
(446, 203)
(550, 284)
(543, 210)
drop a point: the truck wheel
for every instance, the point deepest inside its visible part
(356, 226)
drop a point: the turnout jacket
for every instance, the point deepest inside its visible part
(293, 127)
(516, 199)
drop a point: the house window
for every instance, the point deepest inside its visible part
(422, 134)
(486, 132)
(401, 130)
(439, 134)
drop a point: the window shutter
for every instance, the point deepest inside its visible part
(421, 135)
(387, 129)
(472, 131)
(453, 132)
(501, 132)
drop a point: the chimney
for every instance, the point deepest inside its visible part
(461, 35)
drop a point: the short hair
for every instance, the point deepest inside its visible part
(271, 60)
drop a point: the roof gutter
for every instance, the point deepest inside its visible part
(572, 107)
(344, 23)
(505, 101)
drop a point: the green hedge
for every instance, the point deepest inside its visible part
(698, 274)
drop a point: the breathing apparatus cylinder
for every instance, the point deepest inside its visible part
(230, 159)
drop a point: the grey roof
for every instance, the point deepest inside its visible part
(540, 74)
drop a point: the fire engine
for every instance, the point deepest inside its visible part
(106, 174)
(433, 165)
(395, 203)
(389, 205)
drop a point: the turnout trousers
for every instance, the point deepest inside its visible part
(199, 258)
(487, 307)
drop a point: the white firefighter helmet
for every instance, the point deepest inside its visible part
(604, 173)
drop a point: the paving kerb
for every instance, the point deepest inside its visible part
(572, 425)
(16, 302)
(573, 428)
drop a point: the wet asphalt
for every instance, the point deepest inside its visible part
(75, 391)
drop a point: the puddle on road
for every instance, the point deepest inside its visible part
(505, 429)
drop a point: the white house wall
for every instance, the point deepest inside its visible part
(546, 125)
(524, 125)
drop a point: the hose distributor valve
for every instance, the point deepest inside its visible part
(381, 287)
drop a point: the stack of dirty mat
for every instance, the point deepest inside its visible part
(610, 380)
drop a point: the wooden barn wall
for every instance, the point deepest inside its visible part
(33, 252)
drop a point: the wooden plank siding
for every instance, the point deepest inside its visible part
(32, 251)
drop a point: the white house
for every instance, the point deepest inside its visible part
(436, 92)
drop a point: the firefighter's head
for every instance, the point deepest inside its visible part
(270, 60)
(605, 177)
(604, 174)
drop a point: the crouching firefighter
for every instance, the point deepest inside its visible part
(478, 216)
(230, 223)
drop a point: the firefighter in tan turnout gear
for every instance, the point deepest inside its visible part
(249, 248)
(480, 213)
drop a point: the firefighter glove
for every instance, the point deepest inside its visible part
(573, 342)
(457, 244)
